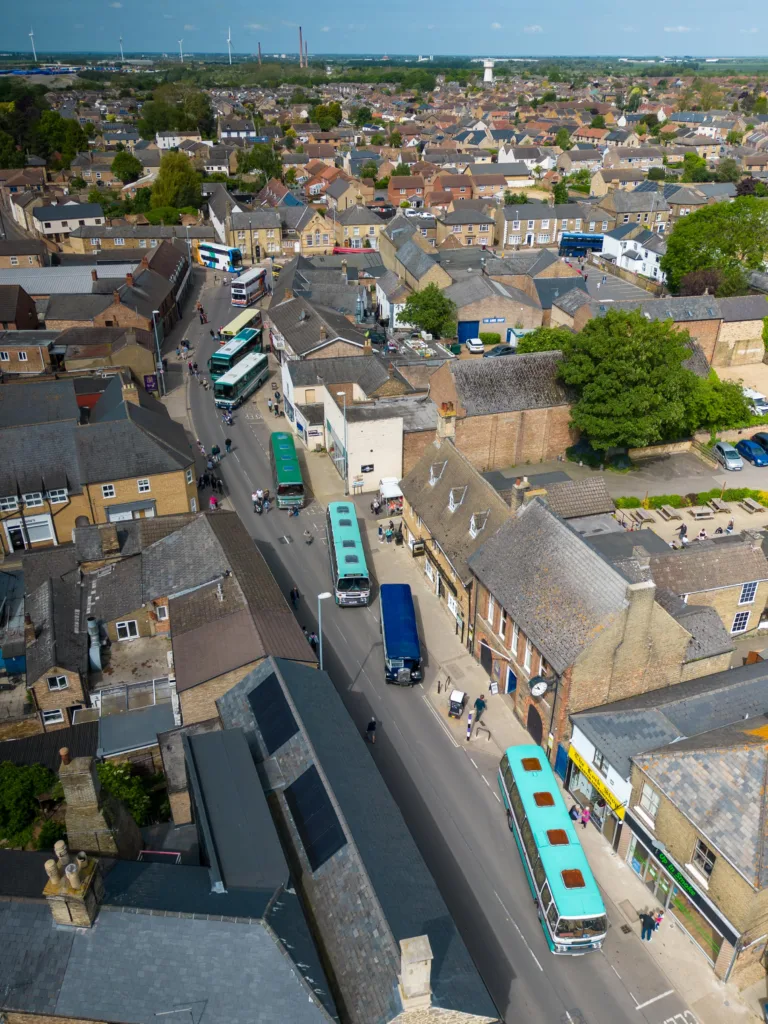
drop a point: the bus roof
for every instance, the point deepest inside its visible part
(232, 347)
(350, 558)
(250, 275)
(287, 467)
(581, 901)
(240, 369)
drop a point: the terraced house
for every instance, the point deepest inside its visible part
(72, 456)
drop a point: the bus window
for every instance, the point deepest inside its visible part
(581, 927)
(552, 916)
(528, 841)
(353, 583)
(545, 896)
(539, 873)
(290, 489)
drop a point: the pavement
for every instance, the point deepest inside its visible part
(444, 784)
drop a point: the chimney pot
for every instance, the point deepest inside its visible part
(116, 297)
(323, 332)
(82, 859)
(52, 870)
(94, 275)
(129, 280)
(64, 755)
(72, 874)
(145, 262)
(62, 854)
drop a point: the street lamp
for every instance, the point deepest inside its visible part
(343, 394)
(320, 599)
(160, 371)
(189, 248)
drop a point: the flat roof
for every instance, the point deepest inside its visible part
(65, 280)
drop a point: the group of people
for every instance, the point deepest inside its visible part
(649, 923)
(312, 639)
(273, 403)
(685, 540)
(387, 533)
(260, 499)
(582, 816)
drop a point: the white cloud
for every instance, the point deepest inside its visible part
(325, 29)
(676, 28)
(168, 16)
(749, 31)
(495, 25)
(533, 29)
(190, 28)
(116, 5)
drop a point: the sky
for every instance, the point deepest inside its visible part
(479, 27)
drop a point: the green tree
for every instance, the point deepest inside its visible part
(694, 168)
(77, 184)
(713, 404)
(290, 176)
(58, 139)
(10, 154)
(126, 167)
(378, 139)
(327, 116)
(733, 138)
(656, 174)
(725, 236)
(395, 139)
(515, 198)
(563, 139)
(598, 121)
(177, 183)
(369, 170)
(560, 192)
(728, 170)
(429, 310)
(260, 157)
(363, 116)
(760, 106)
(545, 339)
(20, 785)
(401, 171)
(119, 780)
(164, 215)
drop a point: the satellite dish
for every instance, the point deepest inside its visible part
(539, 686)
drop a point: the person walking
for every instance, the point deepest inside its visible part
(480, 706)
(647, 926)
(381, 534)
(219, 485)
(277, 409)
(294, 596)
(658, 917)
(215, 453)
(313, 641)
(189, 367)
(228, 444)
(682, 530)
(305, 631)
(370, 731)
(585, 816)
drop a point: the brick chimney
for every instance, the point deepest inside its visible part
(29, 631)
(446, 420)
(94, 820)
(110, 544)
(130, 392)
(116, 297)
(129, 280)
(145, 262)
(415, 973)
(517, 497)
(323, 332)
(94, 275)
(74, 888)
(288, 293)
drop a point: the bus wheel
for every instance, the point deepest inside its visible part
(509, 821)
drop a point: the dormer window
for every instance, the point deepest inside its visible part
(477, 522)
(456, 497)
(436, 470)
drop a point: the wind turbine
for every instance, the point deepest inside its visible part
(229, 43)
(32, 39)
(181, 51)
(122, 57)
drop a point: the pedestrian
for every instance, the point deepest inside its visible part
(658, 917)
(201, 482)
(682, 530)
(702, 534)
(277, 409)
(269, 404)
(598, 285)
(480, 706)
(381, 534)
(209, 465)
(189, 367)
(585, 816)
(306, 633)
(389, 533)
(194, 367)
(219, 485)
(294, 595)
(277, 396)
(213, 334)
(200, 446)
(202, 320)
(215, 451)
(729, 527)
(178, 352)
(605, 278)
(370, 731)
(213, 503)
(228, 444)
(314, 641)
(647, 926)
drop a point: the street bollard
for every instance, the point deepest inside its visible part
(469, 725)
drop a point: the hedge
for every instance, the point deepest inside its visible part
(490, 337)
(655, 501)
(628, 502)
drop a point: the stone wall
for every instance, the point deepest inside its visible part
(511, 439)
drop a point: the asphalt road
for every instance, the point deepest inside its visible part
(448, 799)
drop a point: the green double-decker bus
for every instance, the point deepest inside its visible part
(351, 582)
(226, 357)
(571, 909)
(241, 381)
(286, 471)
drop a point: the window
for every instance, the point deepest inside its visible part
(9, 504)
(153, 243)
(456, 229)
(740, 622)
(527, 658)
(107, 490)
(4, 357)
(162, 612)
(545, 224)
(119, 241)
(33, 500)
(748, 591)
(703, 858)
(605, 225)
(454, 607)
(543, 237)
(649, 801)
(128, 630)
(515, 638)
(599, 761)
(47, 224)
(189, 475)
(65, 223)
(515, 239)
(57, 496)
(530, 224)
(144, 486)
(142, 243)
(515, 225)
(31, 260)
(193, 504)
(95, 243)
(52, 717)
(58, 682)
(503, 624)
(591, 225)
(578, 224)
(23, 357)
(14, 261)
(491, 608)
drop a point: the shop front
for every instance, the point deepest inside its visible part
(673, 889)
(600, 789)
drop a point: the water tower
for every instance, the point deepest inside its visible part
(488, 72)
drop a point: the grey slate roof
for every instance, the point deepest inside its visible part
(573, 498)
(369, 373)
(34, 956)
(415, 260)
(358, 215)
(68, 211)
(55, 612)
(475, 287)
(708, 565)
(38, 402)
(132, 730)
(302, 332)
(560, 591)
(709, 637)
(43, 748)
(526, 381)
(475, 499)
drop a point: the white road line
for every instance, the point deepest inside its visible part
(640, 1006)
(440, 722)
(485, 781)
(514, 925)
(471, 759)
(615, 971)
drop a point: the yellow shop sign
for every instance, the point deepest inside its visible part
(616, 805)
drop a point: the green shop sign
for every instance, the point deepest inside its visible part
(678, 876)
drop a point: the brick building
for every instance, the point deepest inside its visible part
(26, 352)
(504, 414)
(17, 309)
(299, 329)
(21, 252)
(484, 305)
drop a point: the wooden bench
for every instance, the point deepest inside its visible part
(668, 513)
(751, 506)
(642, 516)
(701, 512)
(718, 505)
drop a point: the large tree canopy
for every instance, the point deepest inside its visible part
(126, 167)
(177, 183)
(430, 311)
(725, 236)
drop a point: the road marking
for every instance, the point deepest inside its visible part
(441, 723)
(615, 971)
(485, 781)
(471, 759)
(497, 796)
(514, 925)
(640, 1006)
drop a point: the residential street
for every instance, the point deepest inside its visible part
(447, 797)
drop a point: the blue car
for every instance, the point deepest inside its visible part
(752, 452)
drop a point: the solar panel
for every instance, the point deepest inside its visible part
(319, 828)
(272, 713)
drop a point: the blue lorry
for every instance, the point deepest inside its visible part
(402, 651)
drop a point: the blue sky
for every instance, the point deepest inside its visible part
(549, 27)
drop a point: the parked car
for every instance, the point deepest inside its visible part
(474, 345)
(727, 455)
(752, 452)
(761, 439)
(759, 407)
(500, 350)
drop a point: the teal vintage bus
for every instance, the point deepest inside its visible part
(351, 582)
(229, 355)
(241, 381)
(570, 907)
(286, 471)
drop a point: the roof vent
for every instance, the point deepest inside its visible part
(303, 315)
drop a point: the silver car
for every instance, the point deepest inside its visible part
(727, 455)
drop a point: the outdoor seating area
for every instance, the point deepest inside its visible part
(701, 512)
(751, 506)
